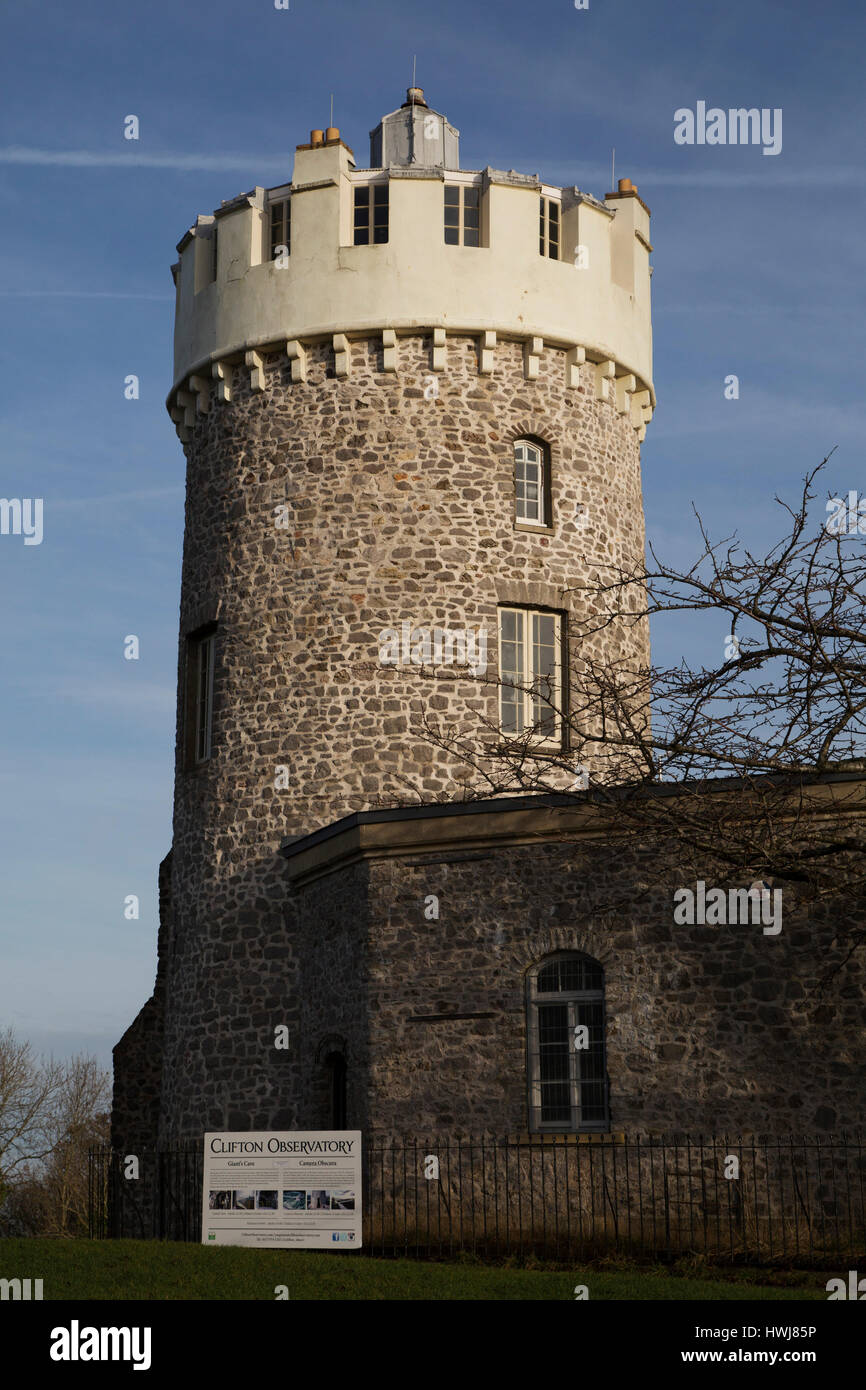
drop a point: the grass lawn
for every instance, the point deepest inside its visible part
(137, 1269)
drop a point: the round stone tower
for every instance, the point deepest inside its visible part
(411, 399)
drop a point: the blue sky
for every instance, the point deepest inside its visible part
(758, 271)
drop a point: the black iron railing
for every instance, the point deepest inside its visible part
(731, 1199)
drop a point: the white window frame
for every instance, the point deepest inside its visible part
(541, 519)
(524, 698)
(571, 999)
(284, 204)
(378, 181)
(460, 189)
(544, 238)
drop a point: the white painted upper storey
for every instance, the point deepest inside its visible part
(234, 296)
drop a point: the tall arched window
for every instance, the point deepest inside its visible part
(336, 1065)
(531, 482)
(565, 1038)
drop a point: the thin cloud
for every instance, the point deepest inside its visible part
(752, 309)
(80, 294)
(142, 495)
(764, 177)
(125, 699)
(117, 159)
(768, 176)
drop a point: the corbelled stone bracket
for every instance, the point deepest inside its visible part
(532, 350)
(184, 431)
(389, 350)
(256, 364)
(437, 362)
(624, 387)
(342, 355)
(604, 374)
(574, 360)
(297, 355)
(186, 401)
(641, 408)
(222, 375)
(201, 386)
(486, 349)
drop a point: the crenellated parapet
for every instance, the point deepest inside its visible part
(279, 267)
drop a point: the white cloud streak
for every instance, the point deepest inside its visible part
(582, 174)
(119, 159)
(141, 495)
(586, 175)
(81, 294)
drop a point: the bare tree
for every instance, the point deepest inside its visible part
(79, 1122)
(29, 1090)
(754, 762)
(51, 1114)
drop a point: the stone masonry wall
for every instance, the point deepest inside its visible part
(401, 509)
(138, 1056)
(709, 1030)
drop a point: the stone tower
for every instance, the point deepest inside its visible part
(411, 398)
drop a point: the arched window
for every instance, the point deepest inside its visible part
(531, 483)
(565, 1038)
(336, 1065)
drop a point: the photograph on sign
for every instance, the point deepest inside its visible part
(266, 1188)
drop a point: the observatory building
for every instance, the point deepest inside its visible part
(411, 399)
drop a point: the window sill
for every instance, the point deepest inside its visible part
(536, 528)
(546, 751)
(573, 1136)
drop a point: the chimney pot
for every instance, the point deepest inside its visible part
(317, 137)
(332, 133)
(626, 186)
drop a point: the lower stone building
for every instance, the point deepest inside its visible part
(498, 968)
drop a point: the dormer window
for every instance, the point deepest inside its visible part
(371, 213)
(462, 215)
(548, 233)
